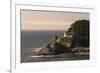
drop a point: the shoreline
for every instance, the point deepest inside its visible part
(49, 58)
(32, 56)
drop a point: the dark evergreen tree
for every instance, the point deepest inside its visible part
(80, 33)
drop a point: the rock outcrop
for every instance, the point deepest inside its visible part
(54, 48)
(75, 39)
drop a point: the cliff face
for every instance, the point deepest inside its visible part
(76, 36)
(54, 47)
(80, 33)
(65, 41)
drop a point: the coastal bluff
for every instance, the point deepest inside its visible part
(75, 40)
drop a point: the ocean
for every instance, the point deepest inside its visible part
(31, 39)
(38, 38)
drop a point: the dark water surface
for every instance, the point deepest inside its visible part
(40, 38)
(64, 57)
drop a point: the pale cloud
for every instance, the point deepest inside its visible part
(46, 20)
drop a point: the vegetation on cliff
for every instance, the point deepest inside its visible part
(80, 34)
(76, 36)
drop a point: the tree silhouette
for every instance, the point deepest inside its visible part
(80, 33)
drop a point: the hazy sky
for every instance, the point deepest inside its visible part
(46, 20)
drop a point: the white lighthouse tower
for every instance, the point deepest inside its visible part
(65, 34)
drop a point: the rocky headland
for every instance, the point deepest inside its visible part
(75, 40)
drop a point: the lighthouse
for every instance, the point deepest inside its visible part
(65, 34)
